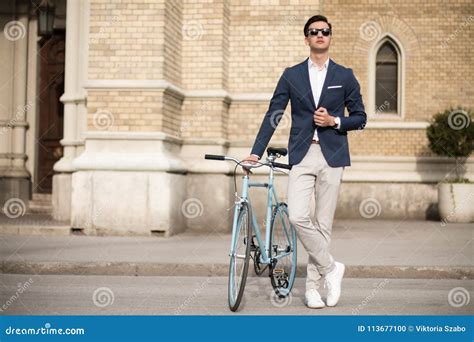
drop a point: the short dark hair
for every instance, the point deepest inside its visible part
(314, 19)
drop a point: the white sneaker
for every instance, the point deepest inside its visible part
(333, 284)
(313, 299)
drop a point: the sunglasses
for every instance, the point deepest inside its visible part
(314, 31)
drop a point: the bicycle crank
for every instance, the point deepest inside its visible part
(281, 277)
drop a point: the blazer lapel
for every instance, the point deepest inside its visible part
(329, 76)
(307, 93)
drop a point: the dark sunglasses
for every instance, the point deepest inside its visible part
(314, 32)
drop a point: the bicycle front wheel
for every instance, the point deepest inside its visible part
(283, 251)
(239, 259)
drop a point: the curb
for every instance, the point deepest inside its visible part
(67, 230)
(44, 230)
(221, 270)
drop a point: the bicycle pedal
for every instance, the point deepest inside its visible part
(278, 271)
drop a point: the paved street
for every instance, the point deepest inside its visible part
(393, 267)
(153, 295)
(370, 248)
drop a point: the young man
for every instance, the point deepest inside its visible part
(319, 89)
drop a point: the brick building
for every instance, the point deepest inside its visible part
(113, 110)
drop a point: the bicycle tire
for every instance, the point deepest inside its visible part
(236, 289)
(289, 242)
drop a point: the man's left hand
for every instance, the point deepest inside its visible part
(322, 118)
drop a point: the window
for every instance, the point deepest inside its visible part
(387, 68)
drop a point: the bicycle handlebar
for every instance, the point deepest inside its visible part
(220, 157)
(281, 166)
(214, 157)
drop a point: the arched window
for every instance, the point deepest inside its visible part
(387, 83)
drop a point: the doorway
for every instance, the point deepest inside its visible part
(51, 109)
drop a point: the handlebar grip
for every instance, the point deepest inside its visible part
(282, 166)
(214, 157)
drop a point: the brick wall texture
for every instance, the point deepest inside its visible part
(220, 53)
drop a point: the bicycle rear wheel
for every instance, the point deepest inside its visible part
(240, 257)
(283, 244)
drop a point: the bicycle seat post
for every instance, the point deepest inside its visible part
(245, 187)
(271, 158)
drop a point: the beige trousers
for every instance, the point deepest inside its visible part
(314, 177)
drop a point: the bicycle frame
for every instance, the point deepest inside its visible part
(271, 200)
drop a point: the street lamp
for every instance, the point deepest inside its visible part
(46, 12)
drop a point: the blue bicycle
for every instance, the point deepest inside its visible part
(278, 251)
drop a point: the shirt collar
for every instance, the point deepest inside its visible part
(311, 64)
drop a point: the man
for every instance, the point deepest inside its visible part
(319, 89)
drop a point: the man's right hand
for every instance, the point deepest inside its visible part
(252, 159)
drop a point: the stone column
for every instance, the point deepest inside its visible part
(14, 177)
(74, 105)
(130, 178)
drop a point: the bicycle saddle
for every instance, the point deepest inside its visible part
(275, 150)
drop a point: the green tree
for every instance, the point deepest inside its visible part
(451, 134)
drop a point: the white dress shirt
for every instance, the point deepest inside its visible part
(317, 75)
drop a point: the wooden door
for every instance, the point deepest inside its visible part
(51, 118)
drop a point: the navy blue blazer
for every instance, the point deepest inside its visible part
(340, 90)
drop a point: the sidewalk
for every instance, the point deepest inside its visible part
(369, 248)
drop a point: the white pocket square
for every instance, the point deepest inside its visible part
(333, 87)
